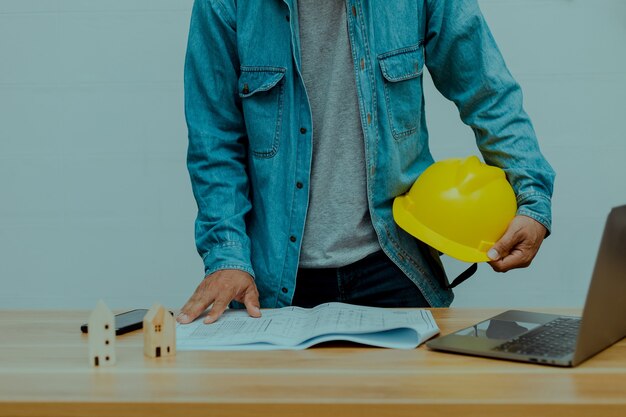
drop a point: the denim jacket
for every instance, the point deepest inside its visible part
(250, 127)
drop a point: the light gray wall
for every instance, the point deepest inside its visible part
(95, 201)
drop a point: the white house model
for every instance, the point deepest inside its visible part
(101, 331)
(159, 333)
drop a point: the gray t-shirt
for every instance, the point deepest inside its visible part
(338, 229)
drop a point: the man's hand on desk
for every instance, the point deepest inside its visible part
(220, 288)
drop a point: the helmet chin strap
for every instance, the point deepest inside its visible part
(463, 276)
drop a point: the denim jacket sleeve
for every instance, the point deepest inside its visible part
(217, 152)
(467, 68)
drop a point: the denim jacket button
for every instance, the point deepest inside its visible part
(303, 130)
(246, 89)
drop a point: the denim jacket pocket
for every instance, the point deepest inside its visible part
(262, 96)
(402, 72)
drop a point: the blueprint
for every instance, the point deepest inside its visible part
(300, 328)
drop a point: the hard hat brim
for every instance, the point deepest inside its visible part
(417, 229)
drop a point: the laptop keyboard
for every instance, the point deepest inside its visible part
(556, 338)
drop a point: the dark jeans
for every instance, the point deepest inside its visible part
(373, 281)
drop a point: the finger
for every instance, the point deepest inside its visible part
(518, 258)
(251, 301)
(199, 301)
(504, 246)
(193, 309)
(219, 306)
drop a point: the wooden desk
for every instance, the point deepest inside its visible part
(44, 372)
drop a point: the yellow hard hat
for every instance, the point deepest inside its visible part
(460, 207)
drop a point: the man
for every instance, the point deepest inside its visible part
(291, 215)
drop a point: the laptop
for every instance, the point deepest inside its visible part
(554, 339)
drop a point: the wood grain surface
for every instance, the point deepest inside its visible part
(44, 371)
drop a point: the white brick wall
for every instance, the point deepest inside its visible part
(95, 199)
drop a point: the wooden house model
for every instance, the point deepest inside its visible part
(159, 333)
(101, 333)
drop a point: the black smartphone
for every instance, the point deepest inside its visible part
(125, 322)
